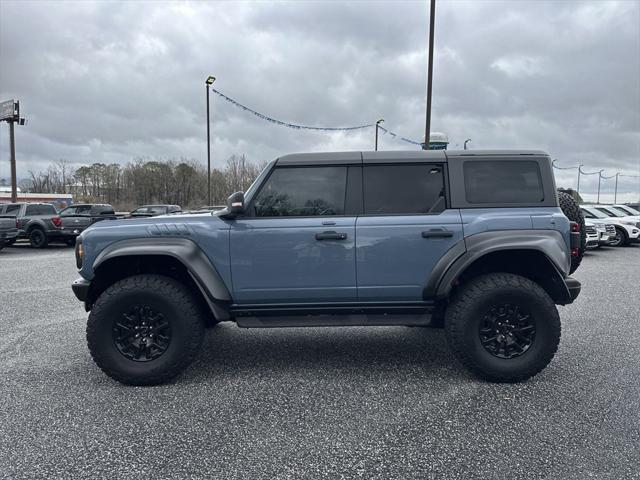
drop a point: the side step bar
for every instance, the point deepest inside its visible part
(307, 315)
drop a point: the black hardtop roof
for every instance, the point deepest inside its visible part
(396, 156)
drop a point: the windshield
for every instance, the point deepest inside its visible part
(593, 213)
(612, 212)
(629, 210)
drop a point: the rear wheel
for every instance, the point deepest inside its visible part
(571, 210)
(38, 238)
(503, 327)
(145, 330)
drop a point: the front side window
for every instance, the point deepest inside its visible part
(407, 189)
(302, 192)
(502, 182)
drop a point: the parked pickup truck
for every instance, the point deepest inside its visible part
(8, 230)
(79, 216)
(479, 243)
(39, 222)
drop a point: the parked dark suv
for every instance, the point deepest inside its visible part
(475, 242)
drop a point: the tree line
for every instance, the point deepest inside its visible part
(145, 181)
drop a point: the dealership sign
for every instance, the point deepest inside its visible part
(9, 110)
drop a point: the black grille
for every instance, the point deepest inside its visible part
(611, 230)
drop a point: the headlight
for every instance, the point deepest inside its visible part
(601, 228)
(625, 222)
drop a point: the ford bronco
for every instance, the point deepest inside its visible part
(475, 242)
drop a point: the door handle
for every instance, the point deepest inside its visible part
(331, 236)
(437, 233)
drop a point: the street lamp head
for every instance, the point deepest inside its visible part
(378, 122)
(210, 79)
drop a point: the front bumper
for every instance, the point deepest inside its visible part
(70, 232)
(81, 289)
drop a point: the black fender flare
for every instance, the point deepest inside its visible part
(184, 250)
(550, 243)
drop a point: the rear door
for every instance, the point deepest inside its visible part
(296, 243)
(405, 229)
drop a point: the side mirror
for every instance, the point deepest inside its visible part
(235, 205)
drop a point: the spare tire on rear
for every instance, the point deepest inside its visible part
(572, 211)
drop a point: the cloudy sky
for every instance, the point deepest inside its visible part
(110, 81)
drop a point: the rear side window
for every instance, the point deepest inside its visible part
(403, 189)
(303, 192)
(40, 210)
(503, 182)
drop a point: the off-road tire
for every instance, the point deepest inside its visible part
(572, 211)
(165, 295)
(465, 316)
(622, 238)
(38, 238)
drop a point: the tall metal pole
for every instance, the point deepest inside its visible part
(376, 144)
(427, 126)
(14, 179)
(615, 192)
(599, 180)
(206, 86)
(579, 172)
(465, 143)
(378, 122)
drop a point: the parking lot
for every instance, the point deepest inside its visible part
(346, 402)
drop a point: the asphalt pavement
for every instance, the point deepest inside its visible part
(351, 402)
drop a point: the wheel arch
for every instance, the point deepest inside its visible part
(177, 258)
(535, 256)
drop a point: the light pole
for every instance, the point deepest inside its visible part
(599, 180)
(378, 125)
(465, 143)
(427, 125)
(615, 192)
(208, 82)
(579, 172)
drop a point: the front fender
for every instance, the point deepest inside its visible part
(182, 249)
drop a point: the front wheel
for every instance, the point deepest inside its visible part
(621, 238)
(503, 327)
(145, 330)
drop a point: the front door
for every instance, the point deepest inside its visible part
(406, 228)
(295, 244)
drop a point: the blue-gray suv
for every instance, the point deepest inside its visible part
(473, 242)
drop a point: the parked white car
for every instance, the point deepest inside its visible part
(627, 228)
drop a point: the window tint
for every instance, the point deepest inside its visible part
(157, 210)
(84, 210)
(40, 210)
(403, 189)
(302, 191)
(502, 182)
(102, 210)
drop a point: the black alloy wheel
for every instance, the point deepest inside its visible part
(507, 331)
(37, 238)
(142, 334)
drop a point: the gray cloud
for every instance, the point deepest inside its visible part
(110, 81)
